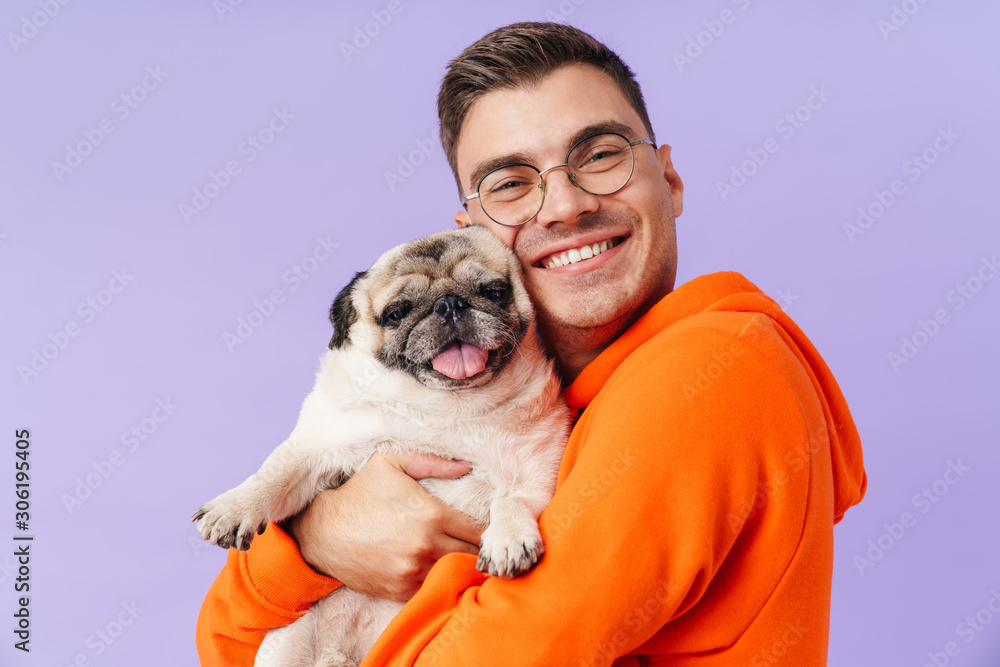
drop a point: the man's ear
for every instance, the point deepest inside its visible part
(462, 218)
(343, 314)
(672, 177)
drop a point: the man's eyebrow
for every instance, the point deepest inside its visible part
(601, 127)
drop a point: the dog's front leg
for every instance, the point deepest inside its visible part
(512, 543)
(289, 478)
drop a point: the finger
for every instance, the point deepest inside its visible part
(461, 526)
(421, 465)
(448, 545)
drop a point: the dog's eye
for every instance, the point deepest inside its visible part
(394, 314)
(494, 293)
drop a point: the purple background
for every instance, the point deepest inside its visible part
(359, 116)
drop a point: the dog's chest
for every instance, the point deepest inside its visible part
(450, 436)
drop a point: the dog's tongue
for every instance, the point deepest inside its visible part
(459, 361)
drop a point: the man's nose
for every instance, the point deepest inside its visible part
(450, 307)
(563, 200)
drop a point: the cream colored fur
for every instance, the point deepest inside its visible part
(512, 430)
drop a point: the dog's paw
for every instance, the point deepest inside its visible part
(231, 520)
(510, 547)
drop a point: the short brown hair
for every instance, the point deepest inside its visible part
(522, 54)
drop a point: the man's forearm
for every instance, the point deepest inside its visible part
(266, 587)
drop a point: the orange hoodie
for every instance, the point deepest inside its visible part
(692, 520)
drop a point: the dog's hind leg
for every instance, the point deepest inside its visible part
(292, 645)
(348, 623)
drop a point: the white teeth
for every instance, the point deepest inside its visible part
(578, 254)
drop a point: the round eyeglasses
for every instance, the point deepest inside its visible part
(601, 164)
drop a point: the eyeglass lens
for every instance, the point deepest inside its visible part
(600, 165)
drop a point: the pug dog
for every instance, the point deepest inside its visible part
(434, 350)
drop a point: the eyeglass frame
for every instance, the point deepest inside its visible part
(570, 174)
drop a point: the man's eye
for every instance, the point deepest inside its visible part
(393, 315)
(507, 186)
(599, 154)
(495, 294)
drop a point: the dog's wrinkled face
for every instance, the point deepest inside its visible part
(449, 309)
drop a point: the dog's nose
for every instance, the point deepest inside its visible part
(450, 307)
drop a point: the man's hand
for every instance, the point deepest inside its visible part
(381, 532)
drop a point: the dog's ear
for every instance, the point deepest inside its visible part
(343, 315)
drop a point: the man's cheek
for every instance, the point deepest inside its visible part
(505, 234)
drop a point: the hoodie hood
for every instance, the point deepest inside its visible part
(731, 292)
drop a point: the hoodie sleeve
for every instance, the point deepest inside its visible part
(266, 587)
(683, 497)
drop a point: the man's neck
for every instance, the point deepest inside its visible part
(575, 347)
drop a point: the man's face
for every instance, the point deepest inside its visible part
(538, 125)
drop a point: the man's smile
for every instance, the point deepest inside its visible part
(581, 250)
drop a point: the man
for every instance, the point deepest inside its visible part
(714, 451)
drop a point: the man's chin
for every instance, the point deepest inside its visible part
(583, 313)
